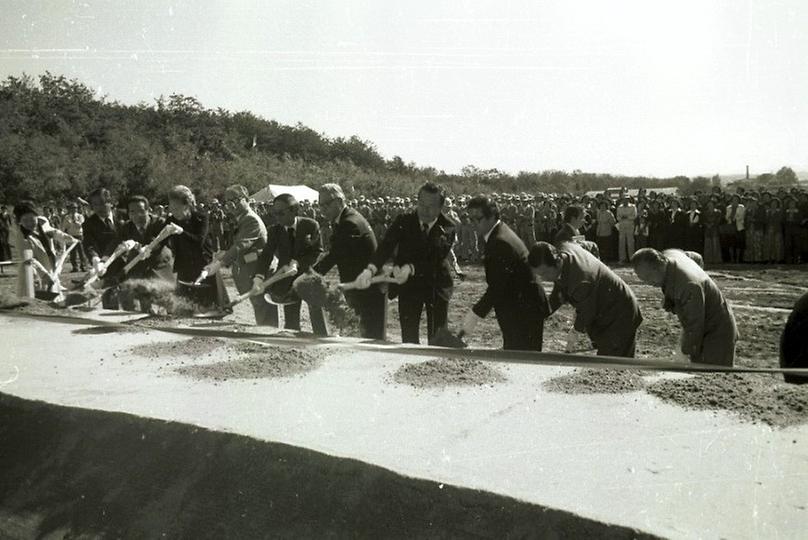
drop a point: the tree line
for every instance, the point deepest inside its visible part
(58, 140)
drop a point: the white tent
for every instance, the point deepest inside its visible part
(299, 192)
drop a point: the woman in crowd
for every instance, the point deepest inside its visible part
(792, 230)
(711, 220)
(755, 222)
(694, 235)
(35, 233)
(192, 246)
(605, 230)
(774, 232)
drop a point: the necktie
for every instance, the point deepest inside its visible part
(425, 230)
(291, 232)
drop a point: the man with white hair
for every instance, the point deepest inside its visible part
(352, 245)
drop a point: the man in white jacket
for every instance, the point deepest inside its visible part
(735, 215)
(626, 214)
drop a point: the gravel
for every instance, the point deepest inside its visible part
(443, 372)
(253, 361)
(597, 381)
(194, 347)
(755, 398)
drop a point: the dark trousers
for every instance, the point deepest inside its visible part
(521, 331)
(291, 315)
(77, 258)
(371, 306)
(410, 306)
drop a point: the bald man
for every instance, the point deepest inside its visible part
(709, 332)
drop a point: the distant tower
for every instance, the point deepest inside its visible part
(747, 172)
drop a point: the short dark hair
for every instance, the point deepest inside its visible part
(101, 192)
(486, 205)
(24, 207)
(571, 212)
(289, 200)
(649, 257)
(433, 189)
(542, 254)
(137, 199)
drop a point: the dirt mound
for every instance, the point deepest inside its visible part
(194, 347)
(253, 361)
(78, 473)
(753, 397)
(597, 381)
(9, 300)
(159, 296)
(448, 372)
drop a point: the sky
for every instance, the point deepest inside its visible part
(636, 87)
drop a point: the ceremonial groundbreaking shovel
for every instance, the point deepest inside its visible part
(218, 314)
(167, 231)
(375, 279)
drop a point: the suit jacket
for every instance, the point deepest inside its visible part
(160, 257)
(352, 246)
(192, 249)
(511, 284)
(100, 240)
(599, 296)
(565, 234)
(249, 239)
(696, 300)
(404, 242)
(306, 250)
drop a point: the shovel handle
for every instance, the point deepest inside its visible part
(375, 279)
(162, 235)
(266, 283)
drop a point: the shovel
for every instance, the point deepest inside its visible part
(220, 313)
(167, 231)
(385, 276)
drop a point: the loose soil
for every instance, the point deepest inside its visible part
(755, 398)
(597, 381)
(253, 361)
(194, 347)
(443, 372)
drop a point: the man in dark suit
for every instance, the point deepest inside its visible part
(295, 241)
(605, 307)
(518, 300)
(419, 242)
(100, 232)
(573, 219)
(352, 245)
(143, 227)
(100, 229)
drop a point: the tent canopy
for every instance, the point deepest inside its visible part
(299, 192)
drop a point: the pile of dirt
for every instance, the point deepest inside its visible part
(12, 301)
(757, 398)
(159, 296)
(597, 381)
(253, 361)
(442, 372)
(194, 347)
(314, 289)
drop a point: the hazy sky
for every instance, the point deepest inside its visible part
(620, 86)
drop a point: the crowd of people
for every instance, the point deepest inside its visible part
(746, 226)
(407, 248)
